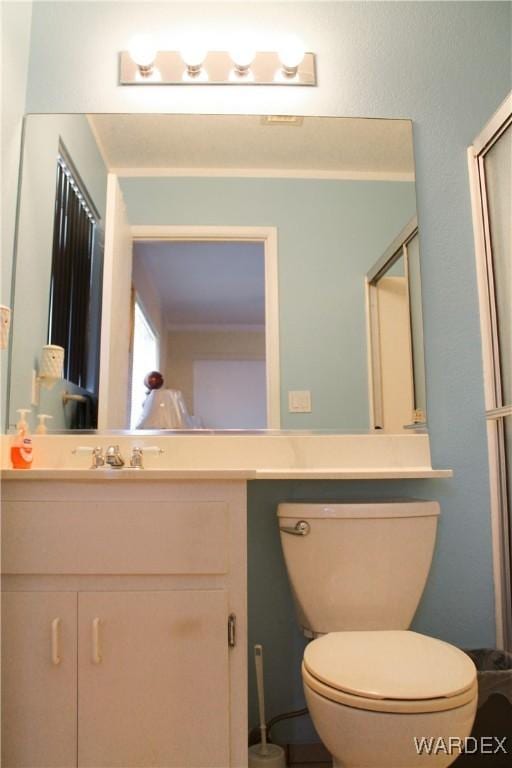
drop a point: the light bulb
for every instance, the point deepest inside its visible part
(193, 55)
(242, 56)
(143, 53)
(291, 55)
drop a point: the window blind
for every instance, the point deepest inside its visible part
(72, 274)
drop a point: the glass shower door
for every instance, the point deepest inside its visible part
(491, 170)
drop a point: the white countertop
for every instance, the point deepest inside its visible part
(285, 473)
(234, 456)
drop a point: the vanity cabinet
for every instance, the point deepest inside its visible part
(115, 611)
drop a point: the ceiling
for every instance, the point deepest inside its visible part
(199, 284)
(322, 144)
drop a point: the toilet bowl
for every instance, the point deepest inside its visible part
(379, 694)
(382, 699)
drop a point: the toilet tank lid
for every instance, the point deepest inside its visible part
(359, 509)
(394, 664)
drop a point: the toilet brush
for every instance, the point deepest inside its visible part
(264, 754)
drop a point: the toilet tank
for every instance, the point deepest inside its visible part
(361, 565)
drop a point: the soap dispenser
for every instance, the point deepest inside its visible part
(21, 448)
(42, 429)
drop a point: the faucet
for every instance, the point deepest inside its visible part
(138, 452)
(113, 457)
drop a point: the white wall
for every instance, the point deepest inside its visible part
(230, 394)
(16, 21)
(185, 347)
(152, 303)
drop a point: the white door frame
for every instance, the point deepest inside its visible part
(495, 412)
(268, 237)
(106, 397)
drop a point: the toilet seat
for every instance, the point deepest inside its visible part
(389, 671)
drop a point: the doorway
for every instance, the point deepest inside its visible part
(209, 303)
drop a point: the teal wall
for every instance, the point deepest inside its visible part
(36, 212)
(329, 235)
(445, 65)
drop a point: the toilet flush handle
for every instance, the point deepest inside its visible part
(302, 528)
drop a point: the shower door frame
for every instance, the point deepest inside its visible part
(397, 250)
(495, 410)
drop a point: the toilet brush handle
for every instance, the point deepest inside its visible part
(258, 663)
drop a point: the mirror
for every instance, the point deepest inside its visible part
(238, 256)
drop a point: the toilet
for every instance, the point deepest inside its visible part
(379, 694)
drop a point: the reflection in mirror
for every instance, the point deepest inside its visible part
(212, 349)
(396, 335)
(230, 254)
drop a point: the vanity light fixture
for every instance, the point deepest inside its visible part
(193, 64)
(143, 53)
(291, 56)
(193, 57)
(242, 57)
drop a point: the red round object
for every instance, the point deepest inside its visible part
(154, 380)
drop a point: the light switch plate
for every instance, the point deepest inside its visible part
(299, 401)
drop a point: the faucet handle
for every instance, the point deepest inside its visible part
(136, 458)
(98, 460)
(137, 454)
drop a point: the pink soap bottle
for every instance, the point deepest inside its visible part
(21, 448)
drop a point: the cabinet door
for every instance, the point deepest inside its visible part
(153, 679)
(39, 680)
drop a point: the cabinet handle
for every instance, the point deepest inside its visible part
(96, 652)
(56, 641)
